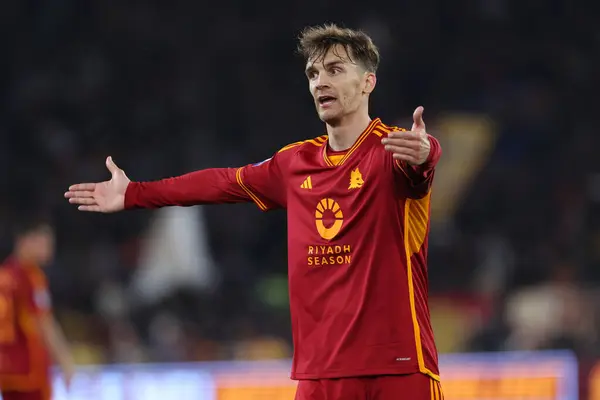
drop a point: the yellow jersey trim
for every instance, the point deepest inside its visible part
(435, 389)
(414, 236)
(318, 141)
(259, 203)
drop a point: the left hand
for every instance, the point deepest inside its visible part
(411, 146)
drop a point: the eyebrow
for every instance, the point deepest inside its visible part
(326, 65)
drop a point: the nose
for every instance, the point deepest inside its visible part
(321, 87)
(322, 81)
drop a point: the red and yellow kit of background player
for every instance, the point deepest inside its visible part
(24, 361)
(358, 226)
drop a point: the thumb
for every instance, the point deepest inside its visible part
(112, 167)
(418, 122)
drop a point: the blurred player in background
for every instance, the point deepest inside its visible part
(357, 202)
(28, 331)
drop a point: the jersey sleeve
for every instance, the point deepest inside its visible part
(35, 293)
(416, 180)
(264, 183)
(259, 183)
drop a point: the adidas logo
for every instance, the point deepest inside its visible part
(307, 184)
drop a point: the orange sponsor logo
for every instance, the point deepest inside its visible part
(329, 218)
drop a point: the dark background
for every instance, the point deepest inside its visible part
(169, 87)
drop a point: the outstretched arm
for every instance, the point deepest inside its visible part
(259, 183)
(208, 186)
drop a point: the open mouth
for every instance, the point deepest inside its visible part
(325, 100)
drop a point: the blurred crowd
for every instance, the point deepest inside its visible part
(166, 88)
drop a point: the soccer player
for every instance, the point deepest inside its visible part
(28, 331)
(357, 201)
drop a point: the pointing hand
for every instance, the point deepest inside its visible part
(411, 146)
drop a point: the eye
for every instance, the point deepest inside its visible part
(335, 70)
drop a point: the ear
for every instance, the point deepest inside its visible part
(370, 82)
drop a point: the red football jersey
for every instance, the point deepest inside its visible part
(24, 295)
(357, 254)
(357, 248)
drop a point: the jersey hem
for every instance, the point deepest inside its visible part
(368, 372)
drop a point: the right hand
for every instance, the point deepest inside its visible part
(104, 197)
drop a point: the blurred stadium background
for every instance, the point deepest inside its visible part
(188, 303)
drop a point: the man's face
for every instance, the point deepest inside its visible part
(40, 244)
(338, 85)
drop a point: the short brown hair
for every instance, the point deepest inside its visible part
(315, 41)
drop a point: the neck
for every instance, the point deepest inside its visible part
(343, 134)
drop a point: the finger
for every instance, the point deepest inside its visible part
(83, 200)
(418, 123)
(82, 186)
(110, 164)
(412, 135)
(79, 193)
(89, 208)
(405, 157)
(401, 150)
(408, 143)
